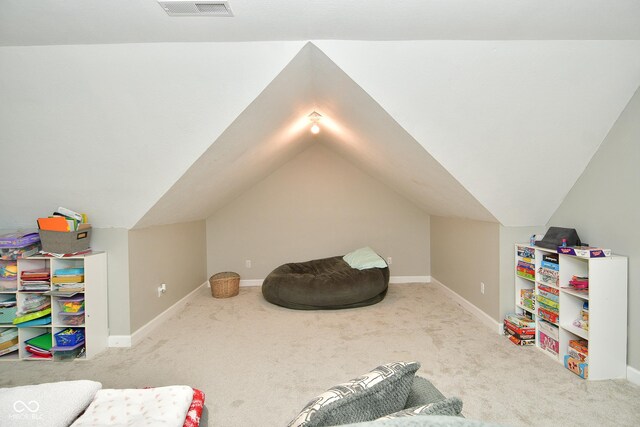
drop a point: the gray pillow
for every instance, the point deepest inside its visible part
(451, 406)
(422, 393)
(382, 391)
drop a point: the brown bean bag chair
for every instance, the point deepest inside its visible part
(324, 284)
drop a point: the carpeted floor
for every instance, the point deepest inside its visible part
(259, 364)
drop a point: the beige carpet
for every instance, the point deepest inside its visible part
(259, 364)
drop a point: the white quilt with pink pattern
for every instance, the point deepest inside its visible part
(159, 407)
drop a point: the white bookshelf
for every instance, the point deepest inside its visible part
(95, 299)
(607, 299)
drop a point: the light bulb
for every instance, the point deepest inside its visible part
(315, 129)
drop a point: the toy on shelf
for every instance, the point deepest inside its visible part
(583, 321)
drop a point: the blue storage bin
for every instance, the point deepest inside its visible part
(66, 339)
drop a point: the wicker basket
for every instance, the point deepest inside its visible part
(225, 285)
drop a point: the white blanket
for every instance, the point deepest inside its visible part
(158, 407)
(45, 405)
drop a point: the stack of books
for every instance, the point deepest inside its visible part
(577, 358)
(527, 298)
(35, 280)
(549, 270)
(68, 280)
(548, 303)
(526, 267)
(40, 347)
(35, 310)
(521, 330)
(8, 340)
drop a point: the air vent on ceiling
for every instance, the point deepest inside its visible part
(196, 8)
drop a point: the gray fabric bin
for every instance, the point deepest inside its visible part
(65, 242)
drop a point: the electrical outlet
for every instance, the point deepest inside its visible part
(162, 289)
(389, 260)
(482, 288)
(247, 263)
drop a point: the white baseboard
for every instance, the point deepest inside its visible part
(392, 279)
(251, 283)
(633, 375)
(119, 341)
(409, 279)
(481, 315)
(140, 334)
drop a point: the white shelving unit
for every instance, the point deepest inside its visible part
(607, 298)
(95, 299)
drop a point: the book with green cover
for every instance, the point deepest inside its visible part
(32, 316)
(41, 341)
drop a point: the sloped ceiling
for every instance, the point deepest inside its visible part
(274, 128)
(54, 22)
(108, 129)
(515, 122)
(486, 130)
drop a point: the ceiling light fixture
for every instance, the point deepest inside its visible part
(315, 118)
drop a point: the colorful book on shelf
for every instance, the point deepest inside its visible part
(527, 265)
(41, 321)
(518, 341)
(526, 270)
(550, 265)
(11, 349)
(525, 252)
(576, 366)
(547, 315)
(582, 357)
(531, 336)
(550, 330)
(69, 271)
(585, 251)
(520, 320)
(32, 316)
(551, 304)
(9, 343)
(548, 295)
(68, 279)
(517, 329)
(53, 223)
(41, 273)
(43, 342)
(548, 343)
(548, 289)
(8, 334)
(581, 345)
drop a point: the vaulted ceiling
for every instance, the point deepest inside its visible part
(138, 133)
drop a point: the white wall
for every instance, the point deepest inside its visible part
(115, 242)
(604, 207)
(317, 205)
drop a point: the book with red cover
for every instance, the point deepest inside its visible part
(517, 329)
(520, 336)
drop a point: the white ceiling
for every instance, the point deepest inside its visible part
(274, 128)
(515, 123)
(52, 22)
(113, 126)
(462, 128)
(108, 129)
